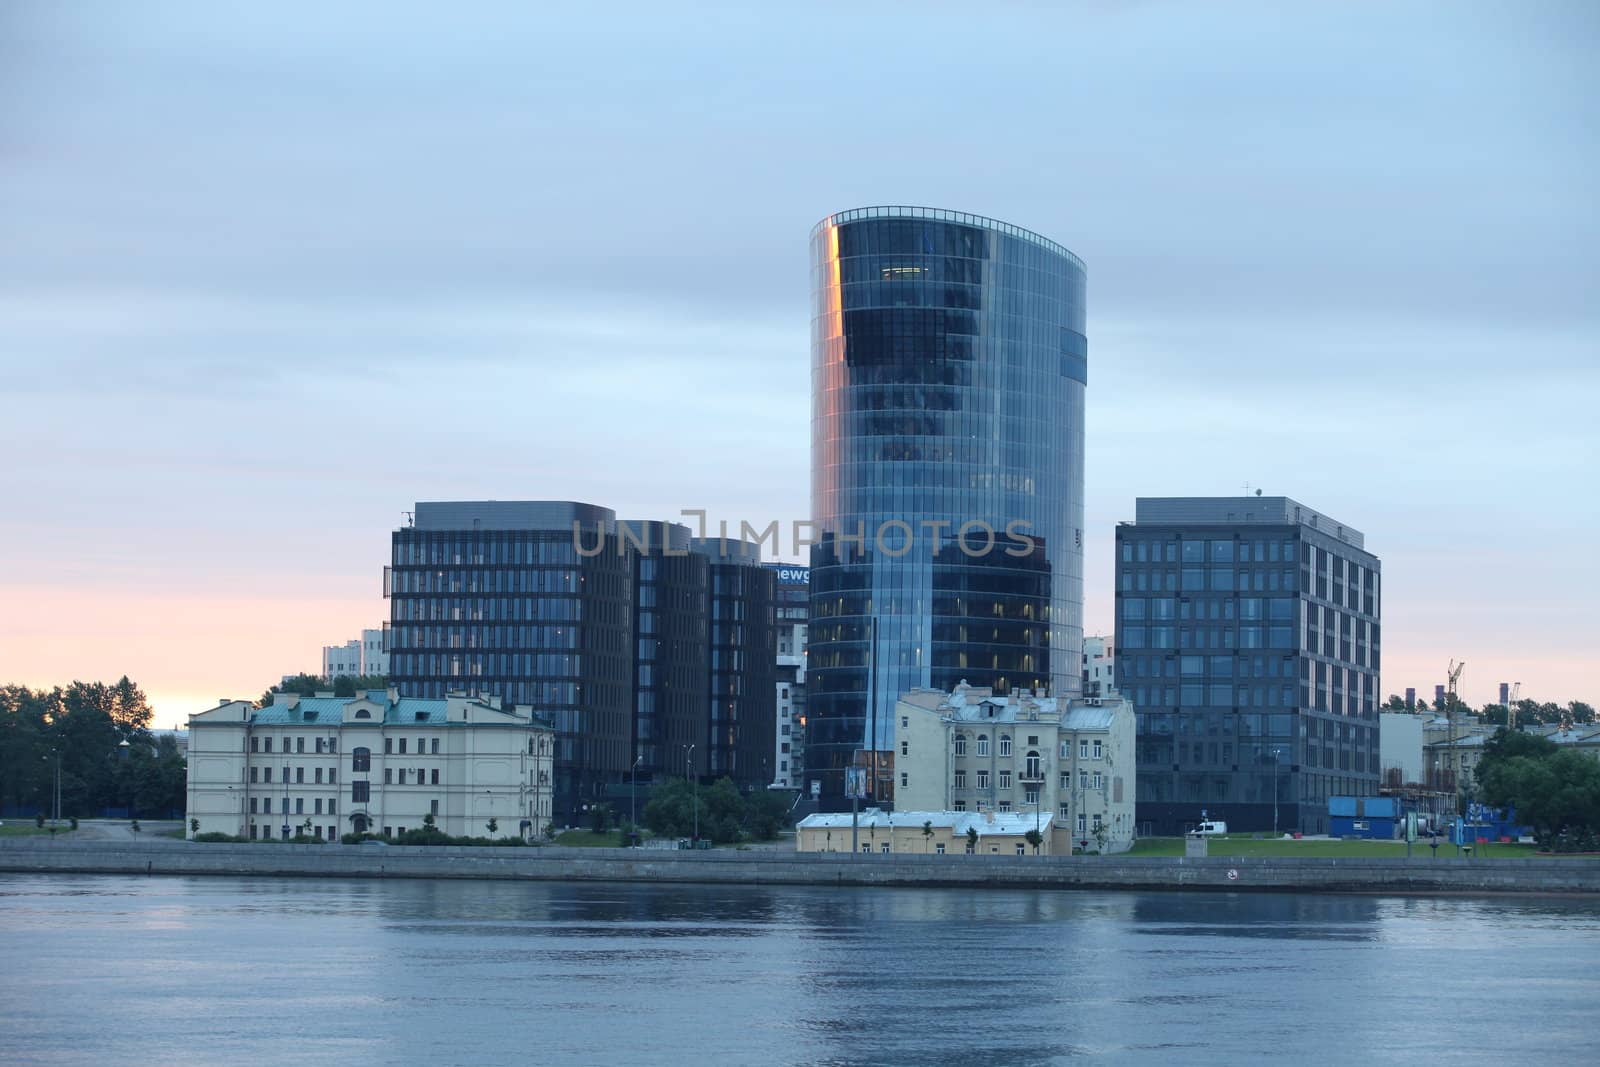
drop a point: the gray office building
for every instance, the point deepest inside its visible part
(1248, 637)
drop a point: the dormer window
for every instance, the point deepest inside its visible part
(362, 713)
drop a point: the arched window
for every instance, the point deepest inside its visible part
(358, 823)
(983, 744)
(1034, 767)
(961, 744)
(363, 713)
(1005, 744)
(361, 759)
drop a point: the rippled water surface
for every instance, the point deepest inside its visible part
(268, 971)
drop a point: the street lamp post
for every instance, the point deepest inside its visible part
(633, 794)
(122, 754)
(55, 754)
(694, 786)
(1276, 749)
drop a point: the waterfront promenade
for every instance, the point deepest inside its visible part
(1421, 875)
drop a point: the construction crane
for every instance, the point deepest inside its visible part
(1511, 706)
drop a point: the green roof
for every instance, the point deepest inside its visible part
(310, 711)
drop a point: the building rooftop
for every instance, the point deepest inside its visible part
(288, 709)
(938, 214)
(557, 515)
(987, 823)
(978, 704)
(1235, 510)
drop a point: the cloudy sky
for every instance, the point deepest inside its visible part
(271, 273)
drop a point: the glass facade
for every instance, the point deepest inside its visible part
(635, 641)
(519, 614)
(672, 619)
(949, 366)
(743, 701)
(1251, 650)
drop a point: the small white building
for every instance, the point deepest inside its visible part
(1070, 757)
(325, 766)
(1099, 666)
(367, 656)
(939, 833)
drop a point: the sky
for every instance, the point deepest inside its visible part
(271, 273)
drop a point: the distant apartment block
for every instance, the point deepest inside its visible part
(325, 766)
(367, 655)
(1099, 675)
(1248, 637)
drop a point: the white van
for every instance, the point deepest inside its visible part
(1211, 828)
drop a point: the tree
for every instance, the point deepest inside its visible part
(1557, 794)
(309, 685)
(429, 822)
(1510, 744)
(766, 814)
(1578, 711)
(1034, 838)
(927, 834)
(1396, 702)
(721, 811)
(494, 825)
(668, 811)
(972, 839)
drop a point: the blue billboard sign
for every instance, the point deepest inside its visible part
(789, 574)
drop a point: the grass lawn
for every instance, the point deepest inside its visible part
(1236, 845)
(27, 829)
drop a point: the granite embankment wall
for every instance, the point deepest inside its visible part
(1420, 875)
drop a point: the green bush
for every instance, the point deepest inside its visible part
(217, 838)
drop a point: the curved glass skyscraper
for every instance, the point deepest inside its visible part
(948, 365)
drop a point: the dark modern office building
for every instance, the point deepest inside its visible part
(1247, 636)
(608, 629)
(949, 367)
(743, 636)
(672, 686)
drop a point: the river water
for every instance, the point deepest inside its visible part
(111, 970)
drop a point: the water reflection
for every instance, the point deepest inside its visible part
(480, 972)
